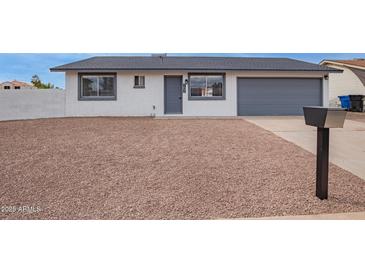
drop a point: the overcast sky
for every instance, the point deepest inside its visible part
(22, 66)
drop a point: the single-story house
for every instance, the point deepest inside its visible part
(351, 81)
(15, 85)
(160, 85)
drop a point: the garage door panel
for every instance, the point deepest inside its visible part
(279, 99)
(270, 96)
(270, 93)
(270, 110)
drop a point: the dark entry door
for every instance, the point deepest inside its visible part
(173, 94)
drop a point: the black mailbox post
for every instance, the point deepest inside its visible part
(324, 119)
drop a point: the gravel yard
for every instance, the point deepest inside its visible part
(141, 168)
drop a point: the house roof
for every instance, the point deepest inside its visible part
(355, 63)
(357, 66)
(22, 84)
(191, 63)
(17, 83)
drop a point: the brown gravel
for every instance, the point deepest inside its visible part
(124, 168)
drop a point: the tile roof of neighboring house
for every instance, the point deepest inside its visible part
(358, 63)
(17, 83)
(357, 66)
(22, 84)
(191, 63)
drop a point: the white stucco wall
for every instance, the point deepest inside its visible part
(343, 84)
(140, 102)
(150, 100)
(130, 101)
(31, 104)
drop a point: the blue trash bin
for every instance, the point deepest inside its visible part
(345, 101)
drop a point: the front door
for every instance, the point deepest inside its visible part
(173, 94)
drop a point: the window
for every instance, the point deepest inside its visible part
(16, 87)
(6, 87)
(206, 87)
(97, 87)
(138, 81)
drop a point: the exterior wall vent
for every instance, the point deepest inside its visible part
(161, 55)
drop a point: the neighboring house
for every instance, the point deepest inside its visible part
(351, 81)
(15, 85)
(193, 86)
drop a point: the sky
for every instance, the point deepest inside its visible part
(21, 66)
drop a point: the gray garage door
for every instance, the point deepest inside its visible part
(270, 96)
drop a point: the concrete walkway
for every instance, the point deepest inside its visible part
(347, 145)
(335, 216)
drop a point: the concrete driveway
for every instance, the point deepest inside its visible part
(347, 145)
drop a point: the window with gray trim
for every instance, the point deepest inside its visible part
(206, 87)
(139, 81)
(97, 86)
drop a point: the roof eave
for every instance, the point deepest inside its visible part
(340, 64)
(191, 69)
